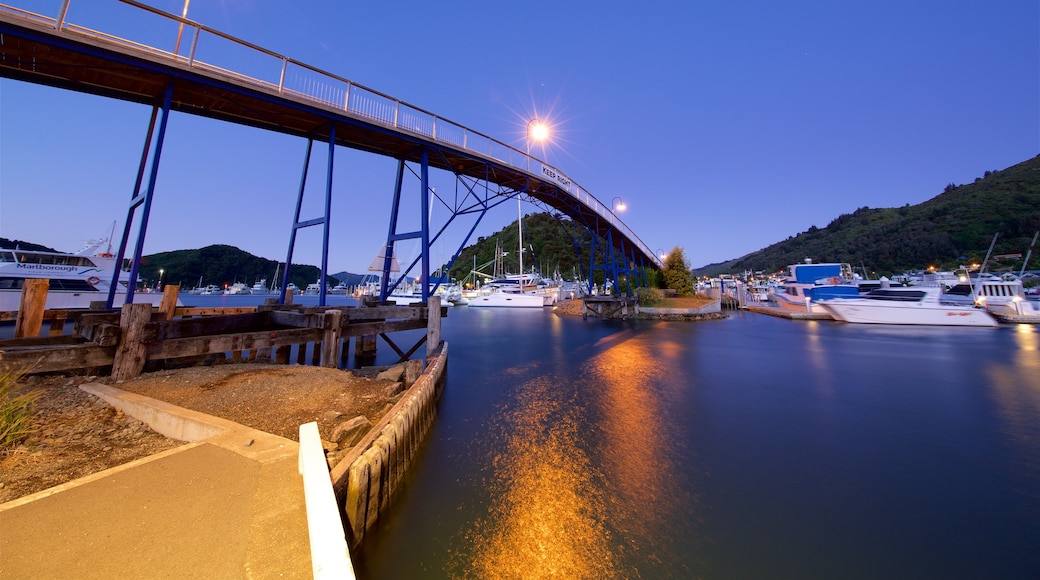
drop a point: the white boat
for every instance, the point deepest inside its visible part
(76, 280)
(238, 289)
(260, 287)
(1003, 296)
(906, 305)
(501, 298)
(517, 290)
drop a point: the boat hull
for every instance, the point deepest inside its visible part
(861, 311)
(507, 300)
(10, 300)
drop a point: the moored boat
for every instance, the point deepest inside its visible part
(806, 284)
(75, 280)
(919, 305)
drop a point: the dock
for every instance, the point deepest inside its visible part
(790, 315)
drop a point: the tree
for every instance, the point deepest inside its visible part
(677, 274)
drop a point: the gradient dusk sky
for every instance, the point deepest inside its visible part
(724, 126)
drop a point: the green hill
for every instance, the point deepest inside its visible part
(221, 265)
(953, 228)
(549, 247)
(6, 244)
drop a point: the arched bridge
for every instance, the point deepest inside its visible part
(235, 81)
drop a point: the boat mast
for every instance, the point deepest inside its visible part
(1028, 253)
(520, 228)
(982, 269)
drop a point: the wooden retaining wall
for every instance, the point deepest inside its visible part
(368, 478)
(129, 339)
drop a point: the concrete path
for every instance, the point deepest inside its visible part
(230, 505)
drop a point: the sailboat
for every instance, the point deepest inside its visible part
(511, 291)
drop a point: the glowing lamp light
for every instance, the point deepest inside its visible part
(618, 204)
(537, 130)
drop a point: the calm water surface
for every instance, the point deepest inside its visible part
(752, 447)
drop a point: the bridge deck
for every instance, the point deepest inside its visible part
(38, 49)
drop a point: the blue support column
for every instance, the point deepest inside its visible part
(135, 200)
(324, 220)
(425, 233)
(388, 253)
(149, 193)
(296, 220)
(328, 218)
(611, 267)
(592, 264)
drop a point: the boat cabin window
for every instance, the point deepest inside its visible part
(898, 295)
(12, 283)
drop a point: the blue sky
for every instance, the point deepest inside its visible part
(724, 126)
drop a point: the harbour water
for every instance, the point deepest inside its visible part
(751, 447)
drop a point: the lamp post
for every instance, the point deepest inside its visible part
(618, 204)
(661, 254)
(180, 31)
(161, 272)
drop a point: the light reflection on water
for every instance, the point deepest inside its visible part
(1016, 392)
(746, 448)
(547, 514)
(635, 444)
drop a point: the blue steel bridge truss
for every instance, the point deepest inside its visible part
(52, 49)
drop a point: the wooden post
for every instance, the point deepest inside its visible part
(365, 347)
(330, 340)
(168, 306)
(282, 354)
(58, 323)
(130, 352)
(433, 324)
(288, 295)
(30, 309)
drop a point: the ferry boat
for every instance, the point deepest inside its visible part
(76, 280)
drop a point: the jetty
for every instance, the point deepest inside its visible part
(232, 501)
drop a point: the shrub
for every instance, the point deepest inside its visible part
(15, 410)
(649, 296)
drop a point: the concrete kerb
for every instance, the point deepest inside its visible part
(272, 529)
(187, 425)
(712, 308)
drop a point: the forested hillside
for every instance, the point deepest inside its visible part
(221, 265)
(953, 228)
(549, 244)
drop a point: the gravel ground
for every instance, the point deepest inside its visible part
(77, 434)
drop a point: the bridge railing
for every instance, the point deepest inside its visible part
(142, 28)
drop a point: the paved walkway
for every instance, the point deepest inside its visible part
(230, 505)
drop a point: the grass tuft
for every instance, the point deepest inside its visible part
(15, 409)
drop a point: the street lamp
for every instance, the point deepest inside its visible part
(161, 271)
(661, 253)
(619, 206)
(538, 131)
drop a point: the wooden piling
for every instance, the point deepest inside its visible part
(31, 307)
(330, 339)
(130, 352)
(168, 306)
(433, 324)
